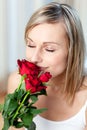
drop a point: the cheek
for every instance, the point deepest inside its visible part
(57, 64)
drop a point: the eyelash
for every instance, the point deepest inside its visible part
(50, 50)
(31, 46)
(45, 49)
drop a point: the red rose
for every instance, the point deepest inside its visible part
(34, 79)
(34, 86)
(45, 77)
(26, 67)
(41, 88)
(29, 86)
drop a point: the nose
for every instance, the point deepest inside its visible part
(36, 56)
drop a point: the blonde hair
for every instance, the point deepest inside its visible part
(53, 13)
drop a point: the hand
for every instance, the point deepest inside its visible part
(12, 128)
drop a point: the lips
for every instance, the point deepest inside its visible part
(43, 68)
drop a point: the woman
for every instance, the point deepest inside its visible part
(55, 42)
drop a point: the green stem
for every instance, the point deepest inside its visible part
(22, 79)
(28, 92)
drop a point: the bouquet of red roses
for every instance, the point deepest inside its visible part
(18, 109)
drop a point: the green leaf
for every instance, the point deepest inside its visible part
(7, 101)
(12, 106)
(23, 77)
(18, 124)
(6, 124)
(37, 111)
(22, 110)
(32, 126)
(27, 119)
(34, 98)
(23, 86)
(19, 94)
(1, 107)
(43, 92)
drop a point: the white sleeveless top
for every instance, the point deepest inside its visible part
(77, 122)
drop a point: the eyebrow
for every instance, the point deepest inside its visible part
(43, 42)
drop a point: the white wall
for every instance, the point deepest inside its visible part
(82, 9)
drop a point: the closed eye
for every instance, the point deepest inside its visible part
(31, 46)
(49, 50)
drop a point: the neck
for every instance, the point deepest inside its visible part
(58, 81)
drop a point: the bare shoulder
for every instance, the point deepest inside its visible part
(13, 81)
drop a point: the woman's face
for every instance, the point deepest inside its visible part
(47, 46)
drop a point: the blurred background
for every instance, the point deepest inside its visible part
(14, 15)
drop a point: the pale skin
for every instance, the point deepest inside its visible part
(47, 46)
